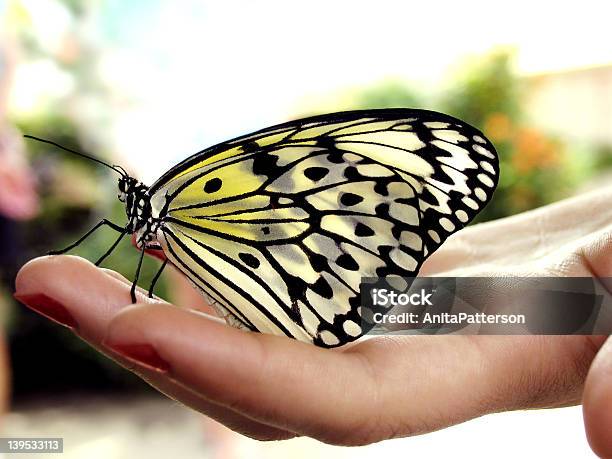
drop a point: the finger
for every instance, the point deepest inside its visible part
(277, 381)
(597, 257)
(73, 292)
(184, 294)
(597, 397)
(597, 402)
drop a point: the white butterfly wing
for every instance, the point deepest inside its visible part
(279, 227)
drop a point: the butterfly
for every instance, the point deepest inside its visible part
(278, 228)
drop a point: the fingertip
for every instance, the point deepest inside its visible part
(597, 402)
(197, 344)
(146, 334)
(64, 286)
(36, 273)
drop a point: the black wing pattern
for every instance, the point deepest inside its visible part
(277, 228)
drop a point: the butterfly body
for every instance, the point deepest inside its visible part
(277, 228)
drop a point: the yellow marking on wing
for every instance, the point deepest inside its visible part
(213, 159)
(366, 127)
(272, 139)
(400, 139)
(397, 158)
(292, 153)
(253, 231)
(282, 213)
(236, 179)
(250, 203)
(316, 131)
(405, 126)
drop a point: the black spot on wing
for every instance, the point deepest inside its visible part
(362, 230)
(318, 262)
(214, 184)
(381, 188)
(249, 260)
(316, 173)
(382, 210)
(264, 164)
(428, 197)
(250, 147)
(296, 288)
(347, 262)
(335, 157)
(350, 199)
(326, 142)
(351, 173)
(322, 288)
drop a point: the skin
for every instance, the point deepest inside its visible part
(270, 387)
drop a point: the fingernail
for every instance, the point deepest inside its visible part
(48, 307)
(144, 355)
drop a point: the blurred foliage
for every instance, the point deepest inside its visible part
(603, 157)
(389, 94)
(536, 168)
(483, 87)
(76, 7)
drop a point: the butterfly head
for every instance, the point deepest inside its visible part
(127, 187)
(137, 203)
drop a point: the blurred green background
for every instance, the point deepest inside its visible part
(144, 84)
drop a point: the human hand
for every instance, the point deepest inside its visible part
(270, 387)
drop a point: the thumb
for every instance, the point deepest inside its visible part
(597, 402)
(597, 395)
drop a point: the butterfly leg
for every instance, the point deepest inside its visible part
(137, 275)
(112, 247)
(87, 234)
(155, 279)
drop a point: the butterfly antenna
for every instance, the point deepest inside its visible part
(120, 170)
